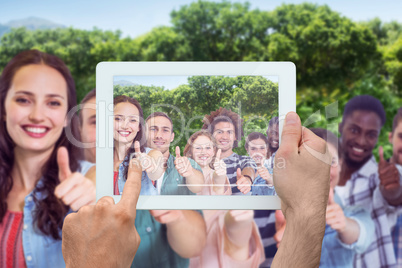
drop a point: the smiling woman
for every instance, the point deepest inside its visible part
(40, 170)
(129, 142)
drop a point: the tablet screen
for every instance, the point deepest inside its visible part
(214, 124)
(206, 132)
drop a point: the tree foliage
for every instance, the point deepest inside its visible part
(255, 98)
(336, 58)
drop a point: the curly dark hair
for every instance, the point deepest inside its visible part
(224, 115)
(140, 137)
(49, 211)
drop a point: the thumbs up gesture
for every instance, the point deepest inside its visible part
(264, 173)
(388, 173)
(145, 161)
(243, 183)
(75, 190)
(219, 165)
(335, 216)
(183, 164)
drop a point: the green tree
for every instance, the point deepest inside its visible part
(163, 44)
(329, 50)
(221, 31)
(81, 50)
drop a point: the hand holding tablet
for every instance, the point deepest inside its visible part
(90, 238)
(302, 182)
(180, 182)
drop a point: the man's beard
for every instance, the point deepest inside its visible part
(272, 149)
(354, 164)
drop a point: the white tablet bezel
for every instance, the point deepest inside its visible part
(105, 71)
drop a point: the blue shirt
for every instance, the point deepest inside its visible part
(334, 252)
(40, 250)
(172, 182)
(154, 249)
(147, 188)
(260, 186)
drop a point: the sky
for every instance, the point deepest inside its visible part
(169, 82)
(136, 17)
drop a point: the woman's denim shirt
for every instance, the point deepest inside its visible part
(41, 250)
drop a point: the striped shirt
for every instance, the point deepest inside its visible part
(265, 220)
(362, 189)
(397, 240)
(233, 162)
(11, 250)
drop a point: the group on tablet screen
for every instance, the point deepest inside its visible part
(207, 165)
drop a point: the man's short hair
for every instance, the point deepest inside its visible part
(158, 114)
(365, 103)
(397, 119)
(224, 115)
(91, 94)
(329, 137)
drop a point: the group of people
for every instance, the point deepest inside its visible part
(206, 166)
(44, 177)
(364, 199)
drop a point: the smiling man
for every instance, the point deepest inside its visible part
(178, 170)
(362, 182)
(170, 237)
(227, 128)
(395, 138)
(273, 135)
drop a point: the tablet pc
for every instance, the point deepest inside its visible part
(192, 95)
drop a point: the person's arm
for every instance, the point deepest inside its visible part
(91, 174)
(186, 230)
(249, 172)
(151, 163)
(390, 178)
(301, 181)
(219, 176)
(194, 177)
(301, 242)
(348, 229)
(237, 233)
(195, 180)
(245, 179)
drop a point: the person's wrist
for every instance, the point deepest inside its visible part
(301, 215)
(296, 221)
(391, 194)
(343, 229)
(249, 177)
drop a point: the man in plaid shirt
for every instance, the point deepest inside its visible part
(363, 182)
(395, 138)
